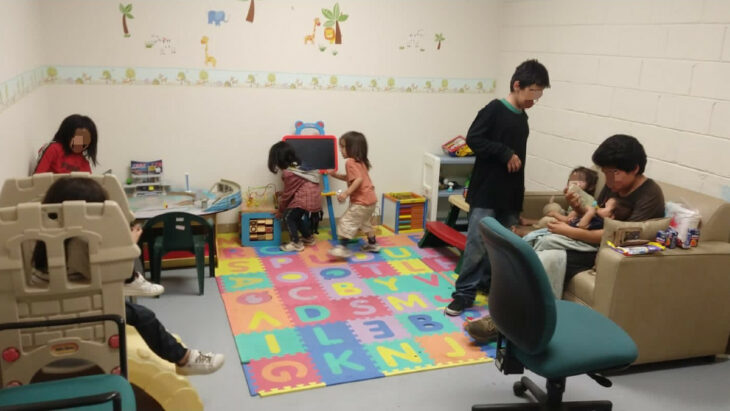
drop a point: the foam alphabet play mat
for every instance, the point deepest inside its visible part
(302, 320)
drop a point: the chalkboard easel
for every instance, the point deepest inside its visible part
(316, 152)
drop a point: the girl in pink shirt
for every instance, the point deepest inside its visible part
(361, 191)
(301, 196)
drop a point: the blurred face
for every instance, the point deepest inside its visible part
(576, 179)
(80, 140)
(620, 181)
(528, 96)
(343, 150)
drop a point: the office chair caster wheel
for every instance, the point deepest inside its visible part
(519, 389)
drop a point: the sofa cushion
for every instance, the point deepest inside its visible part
(648, 228)
(580, 288)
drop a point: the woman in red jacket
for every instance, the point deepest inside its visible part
(72, 148)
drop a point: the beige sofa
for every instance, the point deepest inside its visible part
(675, 304)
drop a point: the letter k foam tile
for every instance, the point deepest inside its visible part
(337, 354)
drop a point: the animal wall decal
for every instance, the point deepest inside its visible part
(334, 18)
(126, 14)
(208, 58)
(217, 16)
(309, 38)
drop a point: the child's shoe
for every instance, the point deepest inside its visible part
(292, 246)
(339, 251)
(201, 363)
(370, 248)
(311, 240)
(140, 287)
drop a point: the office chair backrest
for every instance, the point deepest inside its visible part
(33, 189)
(108, 251)
(521, 301)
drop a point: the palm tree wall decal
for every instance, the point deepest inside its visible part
(126, 14)
(439, 37)
(250, 15)
(334, 17)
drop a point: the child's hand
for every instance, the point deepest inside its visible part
(341, 197)
(136, 232)
(278, 214)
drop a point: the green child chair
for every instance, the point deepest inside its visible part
(179, 232)
(553, 338)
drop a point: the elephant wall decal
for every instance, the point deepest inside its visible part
(217, 16)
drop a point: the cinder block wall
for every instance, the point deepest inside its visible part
(655, 69)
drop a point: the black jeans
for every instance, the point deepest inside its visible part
(154, 333)
(295, 223)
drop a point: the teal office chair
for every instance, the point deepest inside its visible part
(554, 339)
(179, 232)
(102, 391)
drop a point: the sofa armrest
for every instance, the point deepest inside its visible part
(535, 200)
(674, 304)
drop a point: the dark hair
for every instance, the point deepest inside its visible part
(589, 176)
(622, 152)
(75, 188)
(622, 209)
(356, 147)
(67, 130)
(530, 72)
(67, 189)
(282, 156)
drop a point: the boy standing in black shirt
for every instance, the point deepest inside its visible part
(498, 138)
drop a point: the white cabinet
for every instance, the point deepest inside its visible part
(435, 167)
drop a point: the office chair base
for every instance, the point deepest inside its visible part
(552, 400)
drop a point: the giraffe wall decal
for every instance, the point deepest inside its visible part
(309, 38)
(208, 58)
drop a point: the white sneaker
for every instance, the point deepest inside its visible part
(371, 248)
(339, 251)
(201, 363)
(292, 247)
(140, 287)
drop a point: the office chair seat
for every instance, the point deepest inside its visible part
(584, 341)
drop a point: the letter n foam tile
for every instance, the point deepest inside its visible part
(282, 374)
(395, 356)
(451, 349)
(337, 354)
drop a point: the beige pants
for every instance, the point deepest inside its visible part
(356, 217)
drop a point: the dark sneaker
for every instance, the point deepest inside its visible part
(482, 330)
(456, 307)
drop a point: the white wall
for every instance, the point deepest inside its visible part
(654, 69)
(216, 132)
(22, 106)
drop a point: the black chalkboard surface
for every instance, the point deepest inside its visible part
(317, 152)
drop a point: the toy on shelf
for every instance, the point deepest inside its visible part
(456, 147)
(145, 178)
(404, 212)
(261, 196)
(260, 229)
(227, 196)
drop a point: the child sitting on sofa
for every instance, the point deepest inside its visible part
(581, 181)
